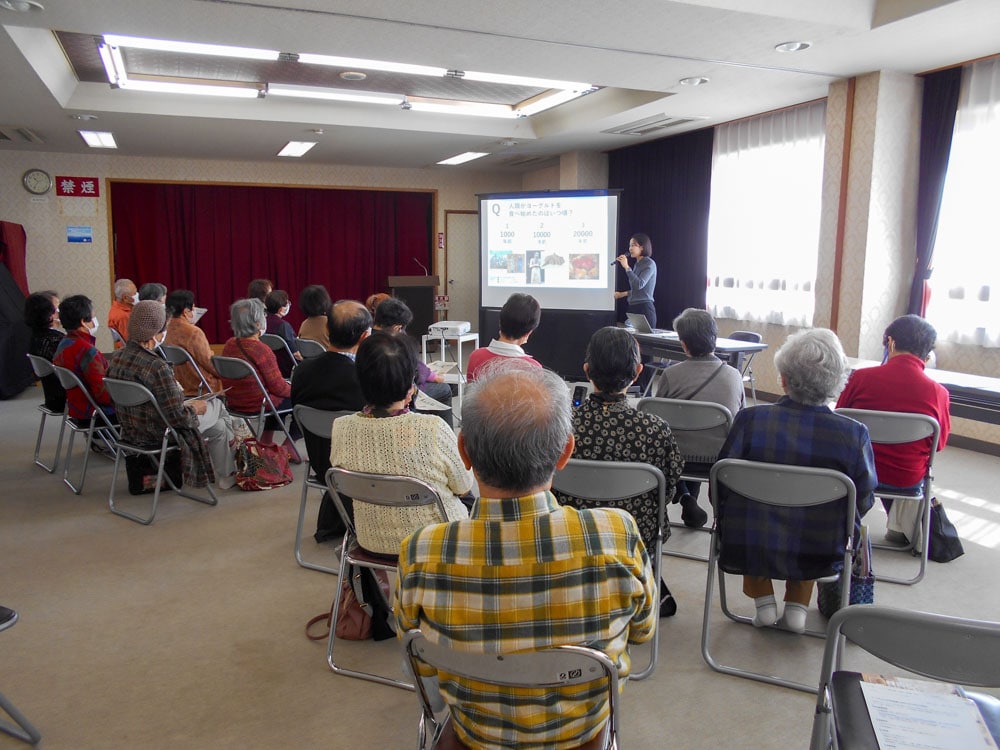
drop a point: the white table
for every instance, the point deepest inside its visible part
(451, 377)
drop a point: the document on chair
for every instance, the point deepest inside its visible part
(905, 718)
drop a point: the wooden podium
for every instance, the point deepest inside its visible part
(418, 293)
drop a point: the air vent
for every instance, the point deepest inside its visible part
(527, 161)
(652, 124)
(17, 134)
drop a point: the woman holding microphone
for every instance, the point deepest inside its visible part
(641, 278)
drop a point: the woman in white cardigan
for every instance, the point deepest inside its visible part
(387, 438)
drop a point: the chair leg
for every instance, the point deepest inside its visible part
(298, 532)
(160, 476)
(68, 462)
(20, 728)
(38, 445)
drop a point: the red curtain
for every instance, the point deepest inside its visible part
(213, 239)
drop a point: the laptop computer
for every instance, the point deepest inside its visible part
(641, 325)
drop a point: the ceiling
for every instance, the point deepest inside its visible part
(635, 52)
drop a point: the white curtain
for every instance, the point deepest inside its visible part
(763, 226)
(965, 282)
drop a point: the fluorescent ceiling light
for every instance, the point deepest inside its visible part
(462, 158)
(296, 148)
(98, 138)
(197, 89)
(547, 102)
(339, 95)
(542, 83)
(353, 63)
(475, 109)
(191, 48)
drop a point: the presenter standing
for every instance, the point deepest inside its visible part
(641, 278)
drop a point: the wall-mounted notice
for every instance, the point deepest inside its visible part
(79, 234)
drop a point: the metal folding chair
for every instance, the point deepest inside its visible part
(116, 337)
(378, 489)
(234, 368)
(746, 369)
(309, 348)
(20, 727)
(177, 356)
(97, 424)
(699, 429)
(893, 428)
(320, 423)
(127, 394)
(775, 485)
(278, 344)
(613, 480)
(43, 368)
(939, 647)
(548, 669)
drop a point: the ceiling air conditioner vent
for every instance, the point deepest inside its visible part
(652, 124)
(17, 134)
(527, 161)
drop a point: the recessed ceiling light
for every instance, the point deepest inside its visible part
(191, 48)
(694, 81)
(296, 148)
(353, 75)
(21, 6)
(792, 46)
(98, 138)
(462, 158)
(337, 95)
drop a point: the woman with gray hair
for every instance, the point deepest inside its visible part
(802, 430)
(248, 320)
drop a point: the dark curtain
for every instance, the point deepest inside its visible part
(666, 190)
(213, 239)
(937, 124)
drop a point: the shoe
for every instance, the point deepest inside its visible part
(794, 617)
(225, 483)
(896, 537)
(767, 611)
(692, 516)
(668, 605)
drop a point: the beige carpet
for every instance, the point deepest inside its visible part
(189, 633)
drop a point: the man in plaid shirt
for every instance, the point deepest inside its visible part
(524, 573)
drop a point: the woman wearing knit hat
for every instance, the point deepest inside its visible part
(195, 421)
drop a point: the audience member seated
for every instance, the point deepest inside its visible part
(375, 300)
(126, 295)
(277, 306)
(525, 573)
(182, 332)
(900, 384)
(387, 438)
(606, 428)
(802, 430)
(196, 421)
(259, 289)
(153, 291)
(330, 382)
(247, 319)
(701, 377)
(315, 303)
(519, 316)
(393, 315)
(41, 315)
(77, 352)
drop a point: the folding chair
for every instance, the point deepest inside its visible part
(775, 485)
(746, 361)
(893, 428)
(309, 348)
(233, 368)
(940, 647)
(548, 669)
(43, 368)
(699, 429)
(613, 480)
(127, 394)
(278, 344)
(177, 356)
(378, 489)
(320, 423)
(20, 727)
(116, 337)
(97, 424)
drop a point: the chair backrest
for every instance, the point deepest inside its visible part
(699, 427)
(234, 368)
(277, 343)
(742, 360)
(41, 366)
(178, 355)
(116, 337)
(751, 336)
(549, 668)
(69, 380)
(380, 489)
(318, 422)
(128, 394)
(895, 427)
(309, 348)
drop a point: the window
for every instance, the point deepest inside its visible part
(763, 226)
(964, 303)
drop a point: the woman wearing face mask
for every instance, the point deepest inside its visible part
(77, 352)
(277, 305)
(196, 422)
(185, 334)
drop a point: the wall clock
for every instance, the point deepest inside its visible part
(37, 181)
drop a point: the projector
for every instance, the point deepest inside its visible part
(445, 328)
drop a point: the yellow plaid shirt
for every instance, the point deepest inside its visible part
(526, 574)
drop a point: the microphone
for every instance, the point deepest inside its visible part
(426, 272)
(615, 261)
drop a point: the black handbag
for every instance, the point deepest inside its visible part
(944, 545)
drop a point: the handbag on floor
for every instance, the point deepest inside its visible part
(944, 545)
(862, 581)
(363, 613)
(261, 466)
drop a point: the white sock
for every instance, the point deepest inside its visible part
(767, 611)
(794, 618)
